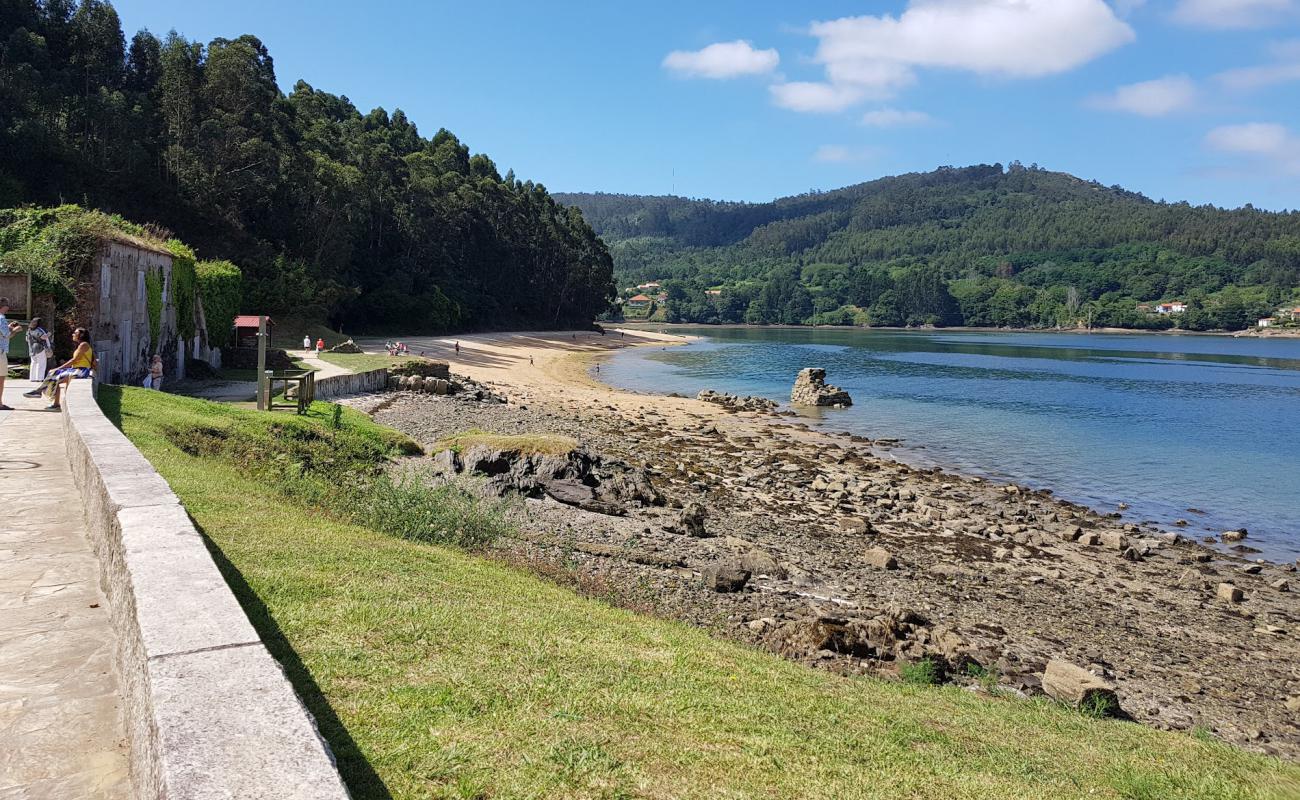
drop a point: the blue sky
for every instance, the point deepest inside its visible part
(1195, 100)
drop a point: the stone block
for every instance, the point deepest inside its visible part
(1079, 688)
(880, 558)
(1228, 593)
(230, 726)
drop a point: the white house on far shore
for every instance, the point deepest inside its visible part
(1176, 307)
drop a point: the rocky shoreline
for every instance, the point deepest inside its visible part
(812, 545)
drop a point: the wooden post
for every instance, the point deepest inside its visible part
(263, 393)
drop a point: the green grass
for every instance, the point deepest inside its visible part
(287, 333)
(551, 444)
(435, 673)
(362, 362)
(920, 673)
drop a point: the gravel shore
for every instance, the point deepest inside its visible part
(859, 564)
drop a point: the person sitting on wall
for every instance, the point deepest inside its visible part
(82, 363)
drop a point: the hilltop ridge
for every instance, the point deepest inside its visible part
(1018, 246)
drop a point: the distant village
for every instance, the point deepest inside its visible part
(1284, 316)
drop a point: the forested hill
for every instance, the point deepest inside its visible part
(980, 245)
(328, 211)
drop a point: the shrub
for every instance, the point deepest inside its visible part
(220, 286)
(921, 673)
(339, 464)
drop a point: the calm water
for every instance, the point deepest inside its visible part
(1163, 423)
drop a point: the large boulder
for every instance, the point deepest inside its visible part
(761, 562)
(578, 477)
(691, 521)
(811, 389)
(726, 576)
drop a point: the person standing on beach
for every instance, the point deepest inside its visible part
(457, 347)
(39, 348)
(7, 329)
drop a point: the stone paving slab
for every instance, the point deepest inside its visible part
(61, 728)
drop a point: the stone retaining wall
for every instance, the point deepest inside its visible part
(376, 380)
(208, 711)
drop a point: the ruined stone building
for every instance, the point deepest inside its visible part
(113, 303)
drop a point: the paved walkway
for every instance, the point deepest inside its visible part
(61, 733)
(324, 369)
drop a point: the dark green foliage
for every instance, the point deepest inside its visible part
(219, 284)
(184, 286)
(330, 213)
(981, 245)
(921, 673)
(58, 246)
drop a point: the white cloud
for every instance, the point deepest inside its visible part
(1233, 13)
(1272, 146)
(815, 97)
(875, 56)
(1155, 98)
(1256, 138)
(1285, 70)
(839, 154)
(1248, 78)
(895, 118)
(722, 60)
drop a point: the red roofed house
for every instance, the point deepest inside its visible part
(638, 301)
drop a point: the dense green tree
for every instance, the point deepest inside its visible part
(1015, 247)
(328, 211)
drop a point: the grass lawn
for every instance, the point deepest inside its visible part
(361, 362)
(437, 673)
(531, 443)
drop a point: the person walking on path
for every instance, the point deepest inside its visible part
(40, 348)
(320, 345)
(155, 377)
(7, 329)
(79, 366)
(306, 343)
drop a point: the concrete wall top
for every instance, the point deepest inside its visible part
(210, 713)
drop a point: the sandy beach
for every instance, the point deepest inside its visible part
(858, 564)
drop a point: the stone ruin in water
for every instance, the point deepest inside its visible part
(811, 389)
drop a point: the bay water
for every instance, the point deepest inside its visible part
(1200, 428)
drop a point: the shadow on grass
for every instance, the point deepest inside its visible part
(362, 780)
(109, 399)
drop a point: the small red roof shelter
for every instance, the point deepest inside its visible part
(246, 329)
